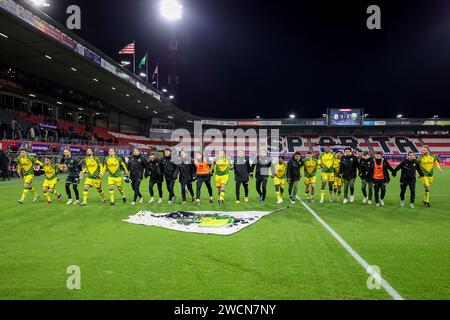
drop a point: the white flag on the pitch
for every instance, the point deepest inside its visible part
(206, 222)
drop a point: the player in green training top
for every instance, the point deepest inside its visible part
(48, 187)
(25, 169)
(222, 166)
(310, 166)
(95, 169)
(114, 166)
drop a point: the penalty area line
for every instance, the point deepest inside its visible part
(386, 286)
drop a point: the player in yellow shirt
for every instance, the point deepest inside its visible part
(338, 181)
(114, 166)
(95, 170)
(310, 166)
(222, 166)
(427, 162)
(326, 161)
(50, 172)
(279, 178)
(25, 168)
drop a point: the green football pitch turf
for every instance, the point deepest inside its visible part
(286, 255)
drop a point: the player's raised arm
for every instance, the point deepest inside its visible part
(36, 161)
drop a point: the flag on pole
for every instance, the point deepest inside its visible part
(143, 61)
(156, 72)
(128, 50)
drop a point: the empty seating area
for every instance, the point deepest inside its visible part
(392, 145)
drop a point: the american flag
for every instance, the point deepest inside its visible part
(129, 49)
(156, 72)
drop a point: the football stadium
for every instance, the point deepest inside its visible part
(110, 190)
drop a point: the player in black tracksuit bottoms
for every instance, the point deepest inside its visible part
(155, 171)
(263, 164)
(380, 176)
(349, 169)
(137, 166)
(74, 168)
(293, 175)
(241, 174)
(170, 171)
(186, 170)
(365, 167)
(202, 176)
(409, 167)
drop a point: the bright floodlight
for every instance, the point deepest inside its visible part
(171, 10)
(142, 74)
(399, 116)
(292, 116)
(40, 3)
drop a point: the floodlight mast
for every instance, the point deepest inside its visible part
(172, 11)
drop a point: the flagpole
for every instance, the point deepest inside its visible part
(134, 58)
(146, 65)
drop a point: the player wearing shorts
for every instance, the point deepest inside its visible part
(25, 169)
(116, 168)
(50, 172)
(95, 170)
(310, 166)
(427, 163)
(338, 180)
(326, 161)
(222, 166)
(279, 178)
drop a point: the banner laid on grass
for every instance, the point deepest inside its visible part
(206, 222)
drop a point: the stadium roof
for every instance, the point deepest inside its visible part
(31, 47)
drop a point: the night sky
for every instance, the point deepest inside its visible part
(243, 58)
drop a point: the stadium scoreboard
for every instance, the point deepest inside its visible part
(345, 117)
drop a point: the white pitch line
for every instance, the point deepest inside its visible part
(389, 289)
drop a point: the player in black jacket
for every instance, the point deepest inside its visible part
(293, 175)
(365, 167)
(186, 170)
(409, 167)
(241, 174)
(380, 177)
(349, 171)
(137, 166)
(170, 171)
(4, 164)
(155, 171)
(263, 164)
(73, 169)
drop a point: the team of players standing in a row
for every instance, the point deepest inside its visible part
(338, 170)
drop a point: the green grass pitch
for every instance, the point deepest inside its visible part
(287, 255)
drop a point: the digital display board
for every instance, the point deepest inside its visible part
(345, 117)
